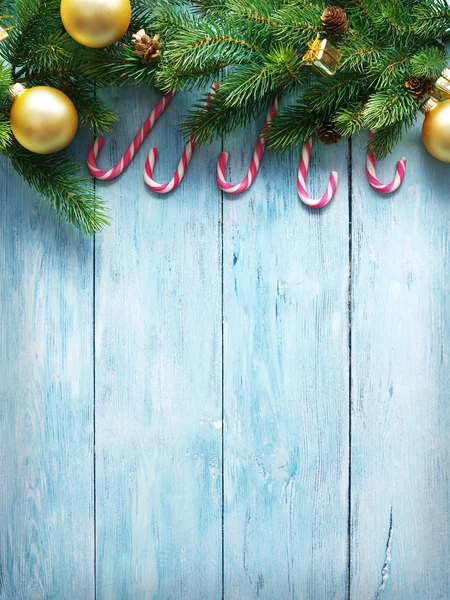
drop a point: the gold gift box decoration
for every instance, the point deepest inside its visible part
(322, 56)
(3, 34)
(442, 85)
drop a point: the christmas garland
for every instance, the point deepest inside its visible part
(388, 56)
(360, 64)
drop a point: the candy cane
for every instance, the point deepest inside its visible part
(132, 149)
(400, 171)
(301, 180)
(238, 188)
(164, 188)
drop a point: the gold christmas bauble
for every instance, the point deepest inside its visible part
(436, 131)
(96, 23)
(43, 119)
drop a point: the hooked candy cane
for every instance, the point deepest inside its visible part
(238, 188)
(132, 149)
(384, 188)
(301, 180)
(164, 188)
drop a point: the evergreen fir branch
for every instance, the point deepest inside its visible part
(209, 6)
(432, 19)
(169, 79)
(327, 96)
(92, 111)
(202, 54)
(360, 59)
(5, 78)
(350, 119)
(297, 24)
(203, 123)
(260, 10)
(429, 62)
(48, 51)
(203, 50)
(142, 14)
(117, 65)
(293, 125)
(279, 72)
(31, 19)
(385, 139)
(391, 67)
(5, 132)
(62, 186)
(384, 108)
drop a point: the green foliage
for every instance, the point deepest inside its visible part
(256, 47)
(60, 183)
(295, 124)
(429, 62)
(5, 132)
(38, 51)
(386, 43)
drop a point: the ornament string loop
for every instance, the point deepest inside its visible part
(132, 149)
(164, 188)
(384, 188)
(301, 180)
(252, 172)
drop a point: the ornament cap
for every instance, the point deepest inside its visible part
(15, 91)
(429, 105)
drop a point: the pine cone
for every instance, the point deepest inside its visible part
(146, 47)
(334, 20)
(328, 134)
(420, 87)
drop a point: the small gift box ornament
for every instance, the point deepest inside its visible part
(323, 56)
(442, 85)
(3, 34)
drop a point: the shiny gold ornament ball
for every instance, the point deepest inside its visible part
(43, 119)
(96, 23)
(436, 131)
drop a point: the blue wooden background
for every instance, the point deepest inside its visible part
(216, 397)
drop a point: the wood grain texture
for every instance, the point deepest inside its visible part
(286, 381)
(177, 278)
(401, 380)
(158, 372)
(46, 400)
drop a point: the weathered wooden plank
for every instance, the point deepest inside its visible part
(400, 391)
(286, 382)
(158, 375)
(46, 400)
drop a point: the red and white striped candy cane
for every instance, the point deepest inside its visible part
(165, 188)
(133, 148)
(238, 188)
(384, 188)
(301, 180)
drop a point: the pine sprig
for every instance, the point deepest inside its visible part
(63, 187)
(39, 52)
(294, 125)
(385, 43)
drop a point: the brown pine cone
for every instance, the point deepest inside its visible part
(146, 47)
(420, 87)
(334, 20)
(328, 134)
